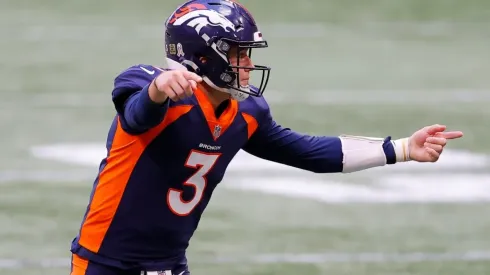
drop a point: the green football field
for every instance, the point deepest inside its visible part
(364, 67)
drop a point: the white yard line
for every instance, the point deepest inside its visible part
(408, 182)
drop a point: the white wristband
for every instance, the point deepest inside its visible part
(401, 147)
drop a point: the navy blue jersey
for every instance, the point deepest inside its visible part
(163, 163)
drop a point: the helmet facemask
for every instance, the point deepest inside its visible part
(231, 75)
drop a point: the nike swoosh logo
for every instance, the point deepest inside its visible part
(148, 71)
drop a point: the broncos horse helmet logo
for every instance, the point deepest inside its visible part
(202, 18)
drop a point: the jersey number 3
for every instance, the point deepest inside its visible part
(203, 162)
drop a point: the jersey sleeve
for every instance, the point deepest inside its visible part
(271, 141)
(137, 112)
(319, 154)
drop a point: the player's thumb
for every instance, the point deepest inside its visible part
(192, 76)
(433, 129)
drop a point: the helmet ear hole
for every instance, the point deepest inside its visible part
(203, 59)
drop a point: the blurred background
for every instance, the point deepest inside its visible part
(364, 67)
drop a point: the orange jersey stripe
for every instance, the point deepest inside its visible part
(124, 154)
(224, 121)
(251, 123)
(79, 265)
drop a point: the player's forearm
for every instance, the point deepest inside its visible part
(329, 154)
(346, 154)
(142, 113)
(360, 153)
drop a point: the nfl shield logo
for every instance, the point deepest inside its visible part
(217, 131)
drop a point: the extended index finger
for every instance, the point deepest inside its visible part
(450, 134)
(192, 76)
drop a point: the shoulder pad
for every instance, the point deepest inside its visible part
(133, 80)
(260, 101)
(255, 106)
(137, 76)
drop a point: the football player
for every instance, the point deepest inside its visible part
(177, 129)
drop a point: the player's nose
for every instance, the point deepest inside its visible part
(248, 63)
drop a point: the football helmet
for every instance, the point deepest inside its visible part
(199, 36)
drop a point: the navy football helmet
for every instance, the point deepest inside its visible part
(199, 36)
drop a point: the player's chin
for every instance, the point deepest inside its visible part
(244, 84)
